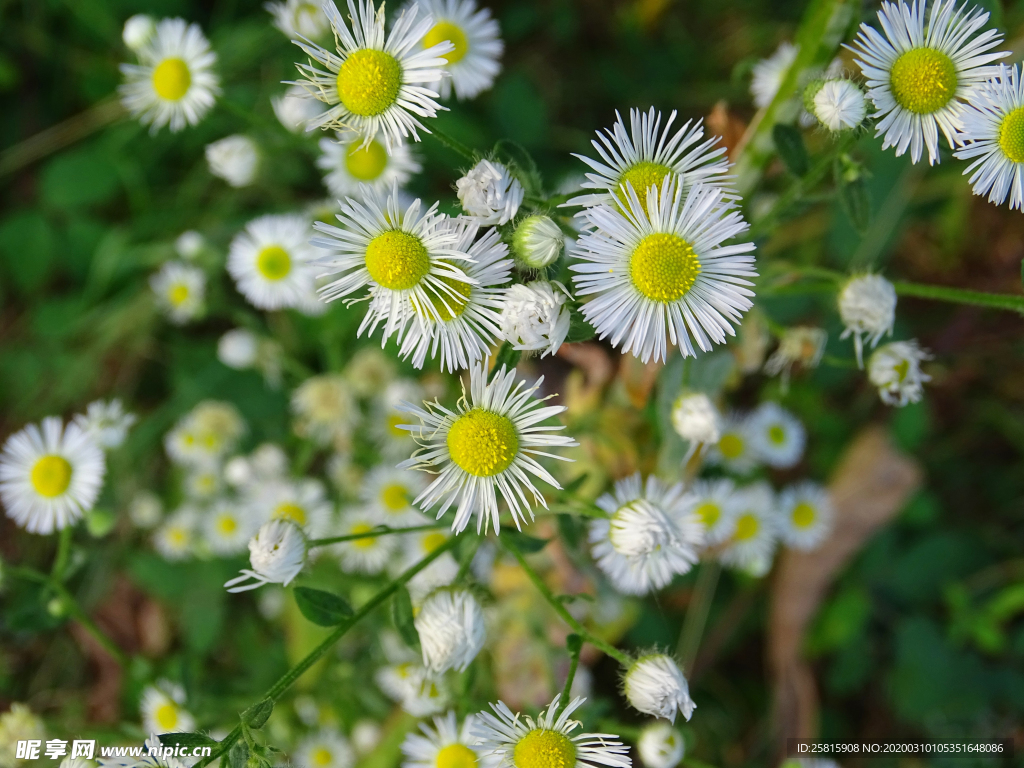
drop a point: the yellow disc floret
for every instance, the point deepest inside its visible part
(167, 716)
(394, 497)
(746, 527)
(369, 81)
(777, 434)
(1011, 136)
(445, 30)
(456, 756)
(731, 445)
(289, 511)
(366, 542)
(273, 262)
(397, 260)
(322, 756)
(923, 80)
(432, 541)
(642, 176)
(803, 515)
(51, 476)
(227, 525)
(393, 422)
(171, 79)
(178, 294)
(664, 267)
(483, 443)
(366, 163)
(709, 512)
(544, 749)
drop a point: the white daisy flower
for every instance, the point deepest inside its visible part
(489, 193)
(488, 443)
(403, 255)
(189, 244)
(162, 707)
(656, 279)
(993, 138)
(295, 108)
(326, 748)
(921, 67)
(145, 510)
(660, 745)
(805, 515)
(696, 419)
(367, 555)
(461, 327)
(777, 436)
(324, 409)
(445, 745)
(389, 493)
(238, 348)
(768, 73)
(50, 475)
(654, 685)
(440, 573)
(650, 536)
(173, 83)
(386, 420)
(204, 435)
(537, 242)
(354, 168)
(175, 539)
(522, 742)
(234, 159)
(270, 261)
(839, 105)
(369, 371)
(277, 554)
(535, 316)
(713, 500)
(734, 449)
(366, 735)
(450, 624)
(299, 18)
(303, 502)
(180, 291)
(755, 530)
(867, 307)
(375, 83)
(19, 723)
(474, 63)
(895, 368)
(107, 422)
(800, 344)
(645, 155)
(137, 31)
(227, 528)
(425, 694)
(203, 482)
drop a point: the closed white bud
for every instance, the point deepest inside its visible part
(189, 244)
(238, 348)
(537, 242)
(660, 745)
(839, 105)
(695, 418)
(277, 554)
(655, 686)
(535, 317)
(895, 369)
(233, 159)
(137, 31)
(489, 193)
(450, 624)
(867, 307)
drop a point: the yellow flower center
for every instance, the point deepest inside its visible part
(731, 446)
(432, 541)
(483, 443)
(227, 525)
(51, 476)
(446, 306)
(366, 163)
(397, 260)
(369, 541)
(394, 497)
(178, 537)
(273, 262)
(456, 756)
(803, 515)
(322, 756)
(171, 79)
(289, 511)
(664, 267)
(369, 81)
(777, 434)
(178, 294)
(544, 749)
(167, 716)
(902, 368)
(1011, 136)
(445, 30)
(393, 421)
(642, 176)
(746, 527)
(709, 512)
(923, 80)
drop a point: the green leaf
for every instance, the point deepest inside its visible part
(789, 143)
(238, 755)
(401, 614)
(78, 178)
(571, 530)
(322, 608)
(575, 484)
(186, 740)
(579, 328)
(853, 194)
(524, 543)
(257, 715)
(28, 245)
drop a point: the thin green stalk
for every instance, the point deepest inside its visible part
(573, 644)
(560, 609)
(454, 144)
(467, 561)
(60, 562)
(960, 296)
(293, 674)
(697, 613)
(382, 530)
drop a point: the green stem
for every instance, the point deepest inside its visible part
(60, 561)
(959, 296)
(382, 530)
(293, 674)
(573, 644)
(560, 609)
(697, 613)
(454, 144)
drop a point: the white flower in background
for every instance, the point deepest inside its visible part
(175, 539)
(189, 244)
(303, 502)
(654, 685)
(162, 707)
(180, 291)
(376, 83)
(270, 261)
(713, 501)
(234, 159)
(800, 344)
(473, 64)
(485, 447)
(50, 475)
(839, 105)
(461, 327)
(660, 745)
(535, 317)
(19, 723)
(921, 66)
(299, 18)
(325, 748)
(295, 108)
(203, 482)
(537, 242)
(867, 307)
(734, 450)
(369, 372)
(444, 745)
(650, 536)
(107, 422)
(656, 279)
(325, 411)
(450, 624)
(277, 554)
(369, 554)
(366, 735)
(993, 138)
(353, 167)
(696, 419)
(489, 193)
(145, 510)
(755, 530)
(173, 83)
(269, 462)
(895, 368)
(519, 740)
(645, 155)
(768, 73)
(805, 515)
(205, 434)
(152, 747)
(777, 436)
(393, 441)
(227, 528)
(440, 573)
(138, 30)
(238, 348)
(389, 493)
